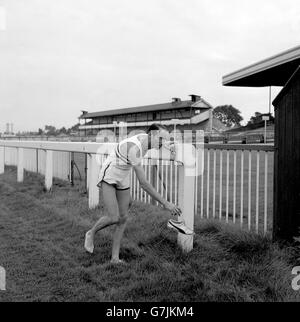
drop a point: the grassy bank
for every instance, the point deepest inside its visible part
(41, 248)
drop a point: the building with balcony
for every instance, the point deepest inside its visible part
(193, 114)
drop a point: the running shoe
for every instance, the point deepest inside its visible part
(180, 227)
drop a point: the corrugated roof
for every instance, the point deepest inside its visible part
(273, 71)
(148, 108)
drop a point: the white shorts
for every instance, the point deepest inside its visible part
(115, 175)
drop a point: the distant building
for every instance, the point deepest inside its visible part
(193, 114)
(9, 132)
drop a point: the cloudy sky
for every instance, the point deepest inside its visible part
(58, 57)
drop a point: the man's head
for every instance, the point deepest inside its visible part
(158, 134)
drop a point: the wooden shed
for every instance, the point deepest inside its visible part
(281, 70)
(287, 160)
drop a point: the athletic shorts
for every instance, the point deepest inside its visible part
(117, 176)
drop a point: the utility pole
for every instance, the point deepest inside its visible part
(265, 118)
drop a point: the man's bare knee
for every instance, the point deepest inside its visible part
(115, 219)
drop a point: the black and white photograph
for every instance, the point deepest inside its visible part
(150, 154)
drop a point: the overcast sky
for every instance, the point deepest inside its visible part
(58, 57)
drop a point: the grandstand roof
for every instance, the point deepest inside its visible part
(200, 103)
(273, 71)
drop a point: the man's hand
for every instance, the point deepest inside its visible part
(175, 211)
(170, 145)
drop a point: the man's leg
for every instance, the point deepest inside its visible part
(112, 217)
(124, 202)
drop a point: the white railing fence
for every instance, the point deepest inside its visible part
(53, 159)
(163, 175)
(236, 186)
(34, 160)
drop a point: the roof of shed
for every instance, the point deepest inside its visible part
(273, 71)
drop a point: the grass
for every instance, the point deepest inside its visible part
(41, 248)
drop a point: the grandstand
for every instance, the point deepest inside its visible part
(193, 114)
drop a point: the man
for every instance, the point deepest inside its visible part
(114, 179)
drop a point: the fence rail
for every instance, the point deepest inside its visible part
(236, 185)
(240, 138)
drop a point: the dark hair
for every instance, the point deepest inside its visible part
(156, 127)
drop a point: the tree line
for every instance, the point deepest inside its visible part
(231, 116)
(51, 130)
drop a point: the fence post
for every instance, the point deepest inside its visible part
(71, 154)
(37, 160)
(49, 170)
(20, 174)
(153, 179)
(186, 192)
(2, 160)
(93, 172)
(86, 171)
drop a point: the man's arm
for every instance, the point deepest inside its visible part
(152, 192)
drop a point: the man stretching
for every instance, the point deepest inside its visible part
(114, 179)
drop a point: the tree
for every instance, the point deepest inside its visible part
(75, 127)
(228, 115)
(63, 130)
(257, 118)
(50, 130)
(40, 132)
